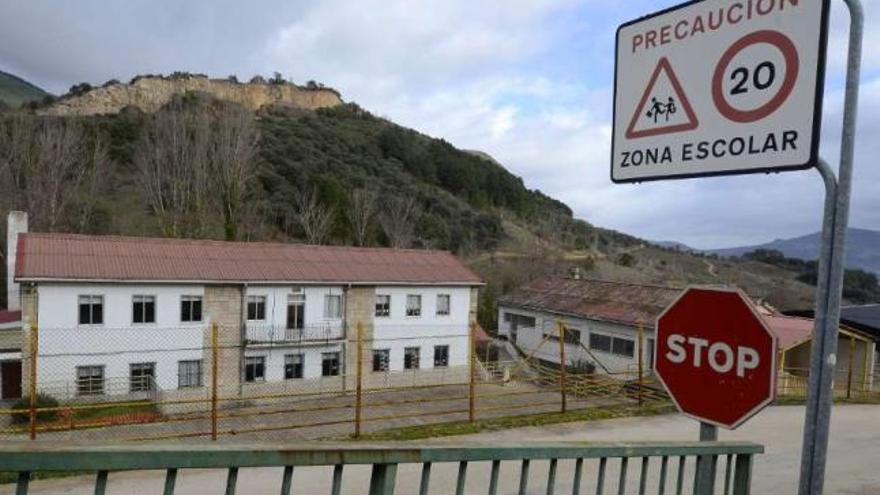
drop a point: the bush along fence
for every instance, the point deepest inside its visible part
(207, 381)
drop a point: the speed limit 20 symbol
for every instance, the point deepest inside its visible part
(747, 88)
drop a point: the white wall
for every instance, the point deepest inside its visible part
(64, 344)
(398, 331)
(529, 339)
(312, 356)
(276, 305)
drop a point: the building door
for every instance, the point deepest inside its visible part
(650, 356)
(10, 371)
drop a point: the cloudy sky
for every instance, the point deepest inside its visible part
(528, 81)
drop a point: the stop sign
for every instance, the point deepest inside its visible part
(715, 356)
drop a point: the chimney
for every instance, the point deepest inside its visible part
(16, 223)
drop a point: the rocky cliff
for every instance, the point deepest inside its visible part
(151, 93)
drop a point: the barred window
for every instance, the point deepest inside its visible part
(413, 305)
(189, 373)
(442, 304)
(144, 309)
(380, 359)
(141, 376)
(383, 305)
(90, 380)
(441, 356)
(293, 366)
(91, 310)
(256, 308)
(190, 309)
(411, 358)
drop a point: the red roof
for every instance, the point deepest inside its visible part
(790, 331)
(7, 316)
(79, 257)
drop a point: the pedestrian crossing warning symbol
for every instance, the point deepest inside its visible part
(664, 107)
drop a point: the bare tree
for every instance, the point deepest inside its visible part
(233, 163)
(172, 157)
(93, 185)
(399, 221)
(315, 219)
(362, 209)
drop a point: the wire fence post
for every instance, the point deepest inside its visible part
(214, 369)
(34, 344)
(561, 327)
(472, 358)
(359, 373)
(849, 373)
(641, 362)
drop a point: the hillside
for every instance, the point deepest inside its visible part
(336, 175)
(862, 248)
(15, 91)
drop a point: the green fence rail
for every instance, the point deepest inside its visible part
(662, 468)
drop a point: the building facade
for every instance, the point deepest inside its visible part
(133, 316)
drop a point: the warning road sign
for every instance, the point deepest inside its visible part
(716, 87)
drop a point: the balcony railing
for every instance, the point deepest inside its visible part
(267, 335)
(599, 468)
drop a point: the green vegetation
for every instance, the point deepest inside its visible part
(542, 419)
(43, 401)
(15, 91)
(859, 286)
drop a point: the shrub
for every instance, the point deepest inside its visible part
(24, 405)
(626, 259)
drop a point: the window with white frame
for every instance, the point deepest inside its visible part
(619, 346)
(329, 364)
(141, 376)
(256, 308)
(413, 305)
(442, 304)
(381, 357)
(90, 380)
(143, 309)
(189, 373)
(91, 310)
(255, 369)
(190, 309)
(441, 356)
(332, 306)
(411, 358)
(600, 342)
(383, 305)
(293, 366)
(296, 311)
(623, 347)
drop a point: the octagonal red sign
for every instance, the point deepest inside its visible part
(715, 356)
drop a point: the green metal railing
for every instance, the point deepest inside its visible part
(611, 460)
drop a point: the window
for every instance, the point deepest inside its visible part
(256, 308)
(380, 359)
(332, 307)
(91, 310)
(442, 304)
(411, 358)
(599, 342)
(255, 369)
(144, 309)
(296, 311)
(190, 309)
(441, 356)
(141, 376)
(413, 305)
(90, 380)
(189, 374)
(383, 305)
(329, 364)
(293, 366)
(623, 347)
(572, 335)
(516, 321)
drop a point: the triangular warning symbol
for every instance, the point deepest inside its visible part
(656, 113)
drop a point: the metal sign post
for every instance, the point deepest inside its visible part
(823, 356)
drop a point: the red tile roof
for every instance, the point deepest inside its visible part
(79, 257)
(7, 316)
(790, 331)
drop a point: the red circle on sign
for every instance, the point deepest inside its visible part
(792, 66)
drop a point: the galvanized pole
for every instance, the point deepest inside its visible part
(831, 271)
(704, 480)
(641, 362)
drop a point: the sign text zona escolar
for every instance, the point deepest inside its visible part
(719, 148)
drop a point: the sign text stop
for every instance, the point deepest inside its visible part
(715, 356)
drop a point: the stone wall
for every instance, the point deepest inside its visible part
(151, 93)
(360, 306)
(28, 321)
(222, 306)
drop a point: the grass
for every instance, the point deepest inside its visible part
(494, 424)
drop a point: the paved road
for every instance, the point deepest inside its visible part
(852, 470)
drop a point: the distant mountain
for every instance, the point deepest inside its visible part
(862, 248)
(15, 91)
(675, 245)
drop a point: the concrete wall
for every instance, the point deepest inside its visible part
(16, 223)
(222, 304)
